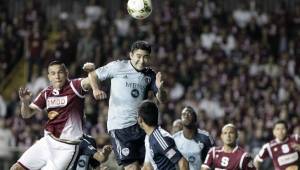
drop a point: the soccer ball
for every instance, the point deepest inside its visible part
(139, 9)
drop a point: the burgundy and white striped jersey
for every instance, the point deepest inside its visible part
(281, 153)
(238, 159)
(65, 109)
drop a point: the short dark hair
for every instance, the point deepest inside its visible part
(148, 111)
(281, 122)
(143, 45)
(57, 62)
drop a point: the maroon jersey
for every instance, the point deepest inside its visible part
(238, 159)
(282, 154)
(65, 109)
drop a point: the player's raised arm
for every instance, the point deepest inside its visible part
(25, 98)
(161, 93)
(93, 81)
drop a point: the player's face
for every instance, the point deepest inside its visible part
(187, 117)
(280, 132)
(139, 59)
(229, 136)
(57, 75)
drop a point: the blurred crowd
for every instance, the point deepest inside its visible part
(239, 66)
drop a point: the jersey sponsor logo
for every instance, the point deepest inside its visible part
(135, 93)
(52, 115)
(289, 158)
(125, 151)
(55, 92)
(191, 159)
(54, 102)
(135, 86)
(170, 153)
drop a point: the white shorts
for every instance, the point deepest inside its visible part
(49, 154)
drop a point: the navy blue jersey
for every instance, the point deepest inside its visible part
(161, 150)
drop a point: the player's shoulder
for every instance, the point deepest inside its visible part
(295, 137)
(119, 63)
(201, 133)
(177, 135)
(163, 132)
(204, 135)
(148, 71)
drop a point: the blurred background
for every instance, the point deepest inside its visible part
(233, 61)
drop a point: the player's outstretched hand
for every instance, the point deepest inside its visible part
(99, 94)
(24, 94)
(102, 156)
(159, 83)
(88, 67)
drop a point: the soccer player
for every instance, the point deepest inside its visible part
(161, 150)
(131, 80)
(63, 100)
(192, 142)
(89, 155)
(230, 156)
(283, 150)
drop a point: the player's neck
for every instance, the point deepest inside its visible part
(228, 148)
(149, 129)
(189, 133)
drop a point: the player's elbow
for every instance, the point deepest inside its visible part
(183, 164)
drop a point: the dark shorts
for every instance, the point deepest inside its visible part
(128, 144)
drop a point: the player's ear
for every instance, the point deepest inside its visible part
(130, 55)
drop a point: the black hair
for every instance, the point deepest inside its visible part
(281, 122)
(57, 62)
(143, 45)
(192, 111)
(148, 111)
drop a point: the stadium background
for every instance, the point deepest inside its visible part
(234, 61)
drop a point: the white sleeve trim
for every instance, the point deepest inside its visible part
(257, 158)
(83, 87)
(34, 106)
(75, 91)
(242, 160)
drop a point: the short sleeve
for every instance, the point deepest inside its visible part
(77, 88)
(208, 143)
(172, 152)
(263, 153)
(150, 76)
(107, 71)
(40, 101)
(208, 163)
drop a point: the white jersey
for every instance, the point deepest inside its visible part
(129, 88)
(194, 150)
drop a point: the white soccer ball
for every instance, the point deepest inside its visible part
(139, 9)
